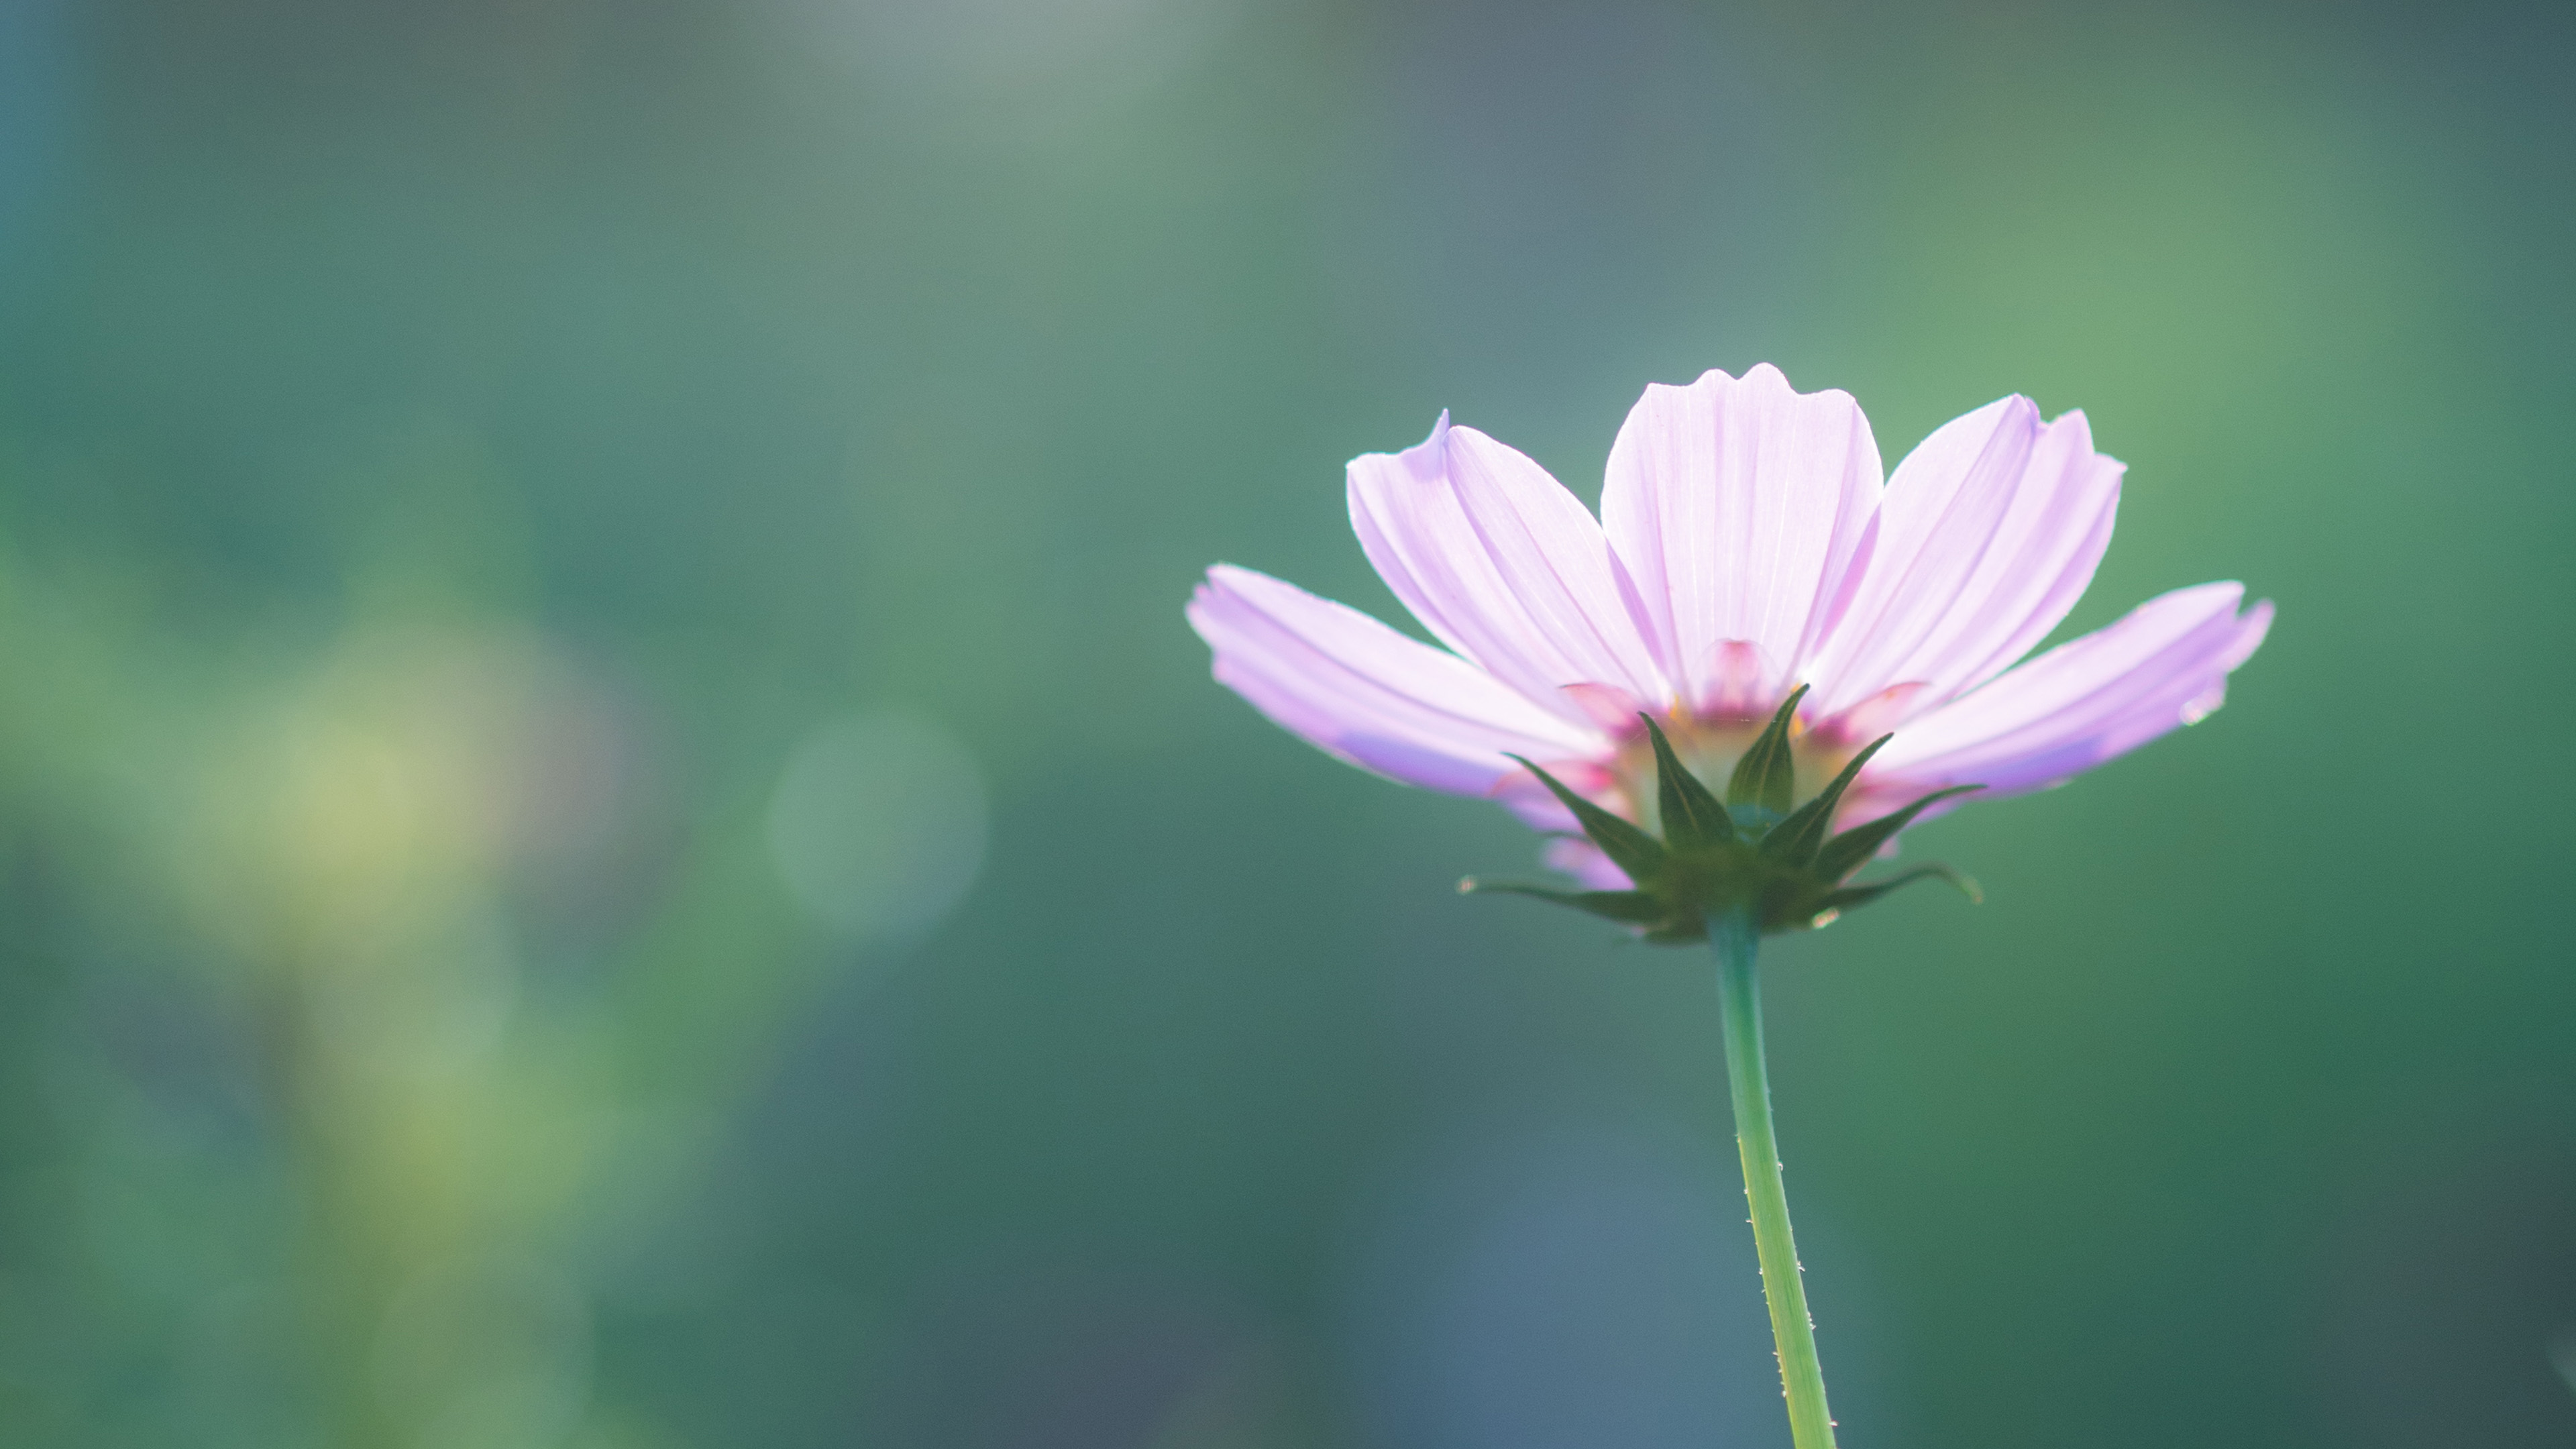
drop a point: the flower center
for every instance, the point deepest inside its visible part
(1710, 747)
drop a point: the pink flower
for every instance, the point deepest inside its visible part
(1745, 546)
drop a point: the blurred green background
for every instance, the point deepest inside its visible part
(610, 836)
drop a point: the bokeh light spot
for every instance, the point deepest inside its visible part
(878, 823)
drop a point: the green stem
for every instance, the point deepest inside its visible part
(1802, 1379)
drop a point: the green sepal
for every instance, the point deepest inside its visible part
(1634, 908)
(1797, 839)
(1629, 848)
(1862, 895)
(1850, 850)
(1767, 776)
(1777, 865)
(1692, 816)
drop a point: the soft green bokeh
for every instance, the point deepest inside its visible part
(457, 462)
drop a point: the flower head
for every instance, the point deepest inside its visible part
(1751, 588)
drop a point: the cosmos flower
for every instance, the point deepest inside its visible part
(1746, 547)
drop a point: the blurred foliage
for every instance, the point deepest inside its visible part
(474, 477)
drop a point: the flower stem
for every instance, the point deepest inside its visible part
(1802, 1379)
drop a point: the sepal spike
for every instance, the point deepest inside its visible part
(1767, 776)
(1629, 848)
(1797, 839)
(1692, 816)
(1849, 896)
(1634, 908)
(1848, 851)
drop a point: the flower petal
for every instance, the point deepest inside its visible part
(2163, 666)
(1504, 565)
(1987, 535)
(1366, 693)
(1738, 507)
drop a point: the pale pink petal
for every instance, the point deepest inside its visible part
(1614, 711)
(1987, 535)
(2163, 666)
(1742, 683)
(1584, 861)
(1853, 727)
(1739, 507)
(1364, 692)
(1504, 565)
